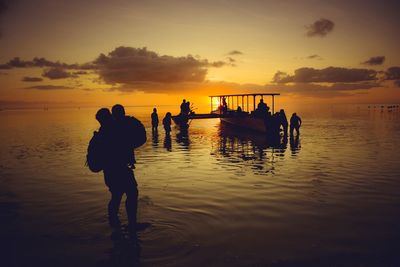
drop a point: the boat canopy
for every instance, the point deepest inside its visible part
(230, 99)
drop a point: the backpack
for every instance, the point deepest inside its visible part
(136, 132)
(94, 156)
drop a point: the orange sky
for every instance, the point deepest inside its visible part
(324, 51)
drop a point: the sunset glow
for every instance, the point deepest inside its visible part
(157, 52)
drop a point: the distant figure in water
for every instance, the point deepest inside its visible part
(114, 153)
(295, 123)
(154, 121)
(167, 123)
(283, 122)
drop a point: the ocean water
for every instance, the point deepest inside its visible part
(215, 196)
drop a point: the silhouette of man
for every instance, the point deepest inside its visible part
(295, 123)
(183, 106)
(224, 105)
(154, 121)
(167, 123)
(118, 174)
(262, 107)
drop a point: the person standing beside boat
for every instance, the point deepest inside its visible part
(283, 122)
(295, 123)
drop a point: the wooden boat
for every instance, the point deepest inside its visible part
(245, 117)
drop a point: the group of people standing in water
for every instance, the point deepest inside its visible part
(275, 123)
(166, 122)
(278, 122)
(111, 150)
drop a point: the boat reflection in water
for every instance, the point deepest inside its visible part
(252, 149)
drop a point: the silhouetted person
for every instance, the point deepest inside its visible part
(274, 126)
(154, 121)
(239, 109)
(118, 172)
(104, 117)
(183, 106)
(283, 122)
(224, 105)
(262, 108)
(168, 142)
(295, 123)
(187, 109)
(167, 123)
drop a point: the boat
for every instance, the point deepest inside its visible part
(238, 110)
(247, 116)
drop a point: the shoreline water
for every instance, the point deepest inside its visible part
(213, 196)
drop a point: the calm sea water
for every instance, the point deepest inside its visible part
(214, 197)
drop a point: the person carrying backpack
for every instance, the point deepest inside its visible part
(117, 138)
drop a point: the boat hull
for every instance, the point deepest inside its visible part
(250, 123)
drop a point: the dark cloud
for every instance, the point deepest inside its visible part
(16, 62)
(4, 67)
(282, 77)
(378, 60)
(81, 72)
(128, 65)
(320, 28)
(32, 79)
(57, 73)
(315, 56)
(235, 53)
(49, 87)
(392, 73)
(329, 75)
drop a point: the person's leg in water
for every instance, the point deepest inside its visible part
(110, 178)
(298, 130)
(113, 207)
(131, 203)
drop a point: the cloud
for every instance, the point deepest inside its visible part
(4, 67)
(235, 53)
(57, 73)
(392, 73)
(32, 79)
(378, 60)
(81, 72)
(128, 65)
(329, 75)
(49, 87)
(315, 56)
(320, 28)
(41, 62)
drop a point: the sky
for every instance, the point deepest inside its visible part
(101, 52)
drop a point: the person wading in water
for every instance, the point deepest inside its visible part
(112, 150)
